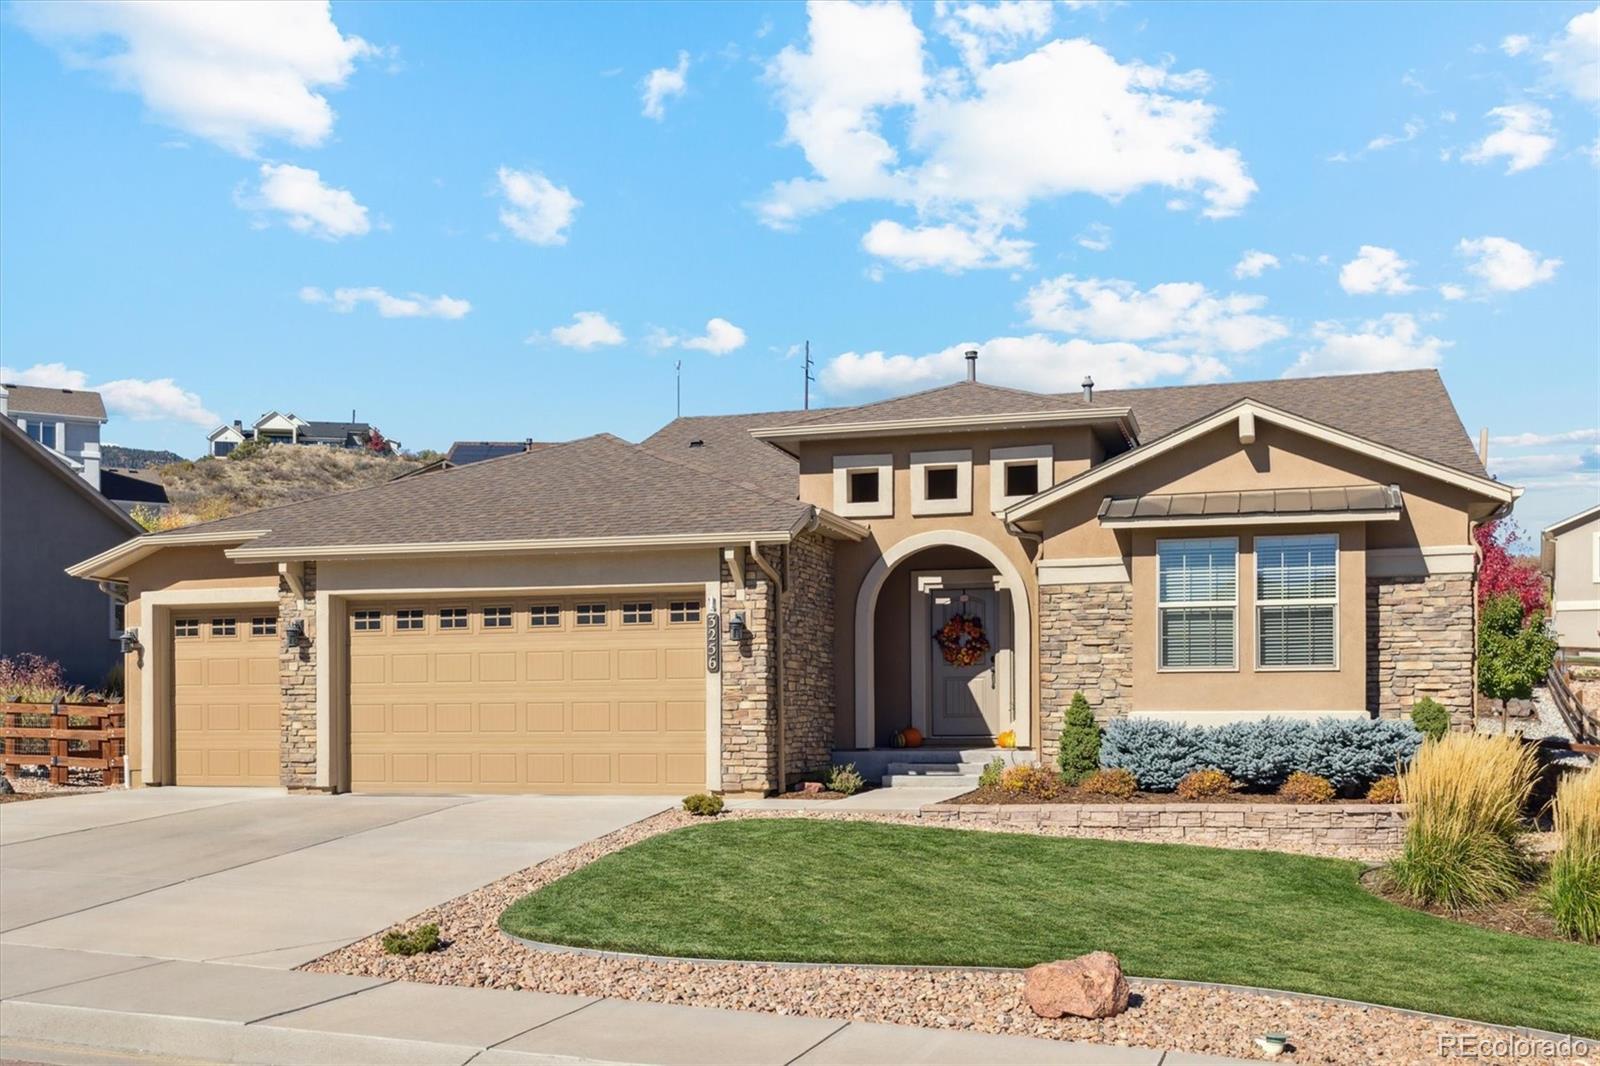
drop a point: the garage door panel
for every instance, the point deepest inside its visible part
(226, 703)
(533, 708)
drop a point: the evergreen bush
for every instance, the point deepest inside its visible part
(1080, 742)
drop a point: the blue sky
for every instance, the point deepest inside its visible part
(499, 221)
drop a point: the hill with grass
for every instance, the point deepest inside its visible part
(125, 458)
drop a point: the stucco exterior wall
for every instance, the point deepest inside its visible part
(1072, 452)
(1576, 586)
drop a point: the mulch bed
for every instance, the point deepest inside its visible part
(1077, 795)
(1522, 914)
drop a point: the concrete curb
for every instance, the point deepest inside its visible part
(628, 956)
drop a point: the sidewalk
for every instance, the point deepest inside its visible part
(217, 1012)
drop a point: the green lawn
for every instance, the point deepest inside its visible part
(869, 892)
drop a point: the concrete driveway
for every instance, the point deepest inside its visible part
(258, 877)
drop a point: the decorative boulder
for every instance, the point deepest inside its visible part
(810, 788)
(1090, 986)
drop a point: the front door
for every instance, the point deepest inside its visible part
(964, 699)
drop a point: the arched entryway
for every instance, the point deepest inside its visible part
(936, 573)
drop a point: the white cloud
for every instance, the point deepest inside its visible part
(1177, 316)
(1533, 440)
(949, 247)
(236, 74)
(1096, 237)
(1573, 58)
(662, 83)
(536, 209)
(1253, 263)
(975, 147)
(1035, 361)
(1452, 292)
(1515, 44)
(1408, 132)
(1393, 342)
(308, 205)
(141, 399)
(1524, 138)
(412, 305)
(1505, 265)
(588, 329)
(720, 338)
(979, 30)
(1556, 463)
(1376, 270)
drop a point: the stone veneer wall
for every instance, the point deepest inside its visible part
(1356, 830)
(1420, 643)
(749, 682)
(297, 679)
(1085, 645)
(807, 652)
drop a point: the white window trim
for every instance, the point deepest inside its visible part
(117, 596)
(844, 466)
(1313, 602)
(999, 458)
(921, 463)
(1200, 604)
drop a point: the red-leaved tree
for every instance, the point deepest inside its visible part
(1507, 567)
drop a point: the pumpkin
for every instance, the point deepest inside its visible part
(899, 740)
(911, 737)
(1008, 739)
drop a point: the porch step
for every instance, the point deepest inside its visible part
(882, 762)
(948, 781)
(937, 769)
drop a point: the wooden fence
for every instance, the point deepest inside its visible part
(1584, 722)
(64, 737)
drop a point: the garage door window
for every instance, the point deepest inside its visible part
(367, 621)
(497, 618)
(683, 611)
(186, 627)
(544, 616)
(452, 618)
(591, 614)
(408, 619)
(224, 627)
(638, 614)
(264, 627)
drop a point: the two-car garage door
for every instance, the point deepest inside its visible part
(587, 693)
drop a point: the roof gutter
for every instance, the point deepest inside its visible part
(107, 564)
(490, 547)
(1122, 417)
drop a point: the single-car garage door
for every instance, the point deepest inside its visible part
(596, 694)
(225, 697)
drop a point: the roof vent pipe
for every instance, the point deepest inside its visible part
(972, 364)
(1088, 389)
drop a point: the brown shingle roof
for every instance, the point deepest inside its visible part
(73, 403)
(964, 398)
(598, 486)
(727, 449)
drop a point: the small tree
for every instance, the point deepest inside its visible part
(1513, 654)
(1080, 742)
(1430, 717)
(1507, 567)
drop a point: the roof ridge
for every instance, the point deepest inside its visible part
(746, 485)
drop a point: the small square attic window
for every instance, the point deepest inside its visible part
(943, 483)
(863, 486)
(1022, 479)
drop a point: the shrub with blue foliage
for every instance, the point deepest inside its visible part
(1351, 753)
(1354, 752)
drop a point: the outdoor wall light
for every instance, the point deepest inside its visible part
(294, 634)
(130, 641)
(736, 628)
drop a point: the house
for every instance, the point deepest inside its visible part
(741, 598)
(463, 452)
(1569, 554)
(49, 517)
(66, 421)
(129, 488)
(276, 428)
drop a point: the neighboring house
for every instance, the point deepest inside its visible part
(739, 599)
(465, 452)
(276, 428)
(134, 488)
(1570, 554)
(66, 421)
(49, 517)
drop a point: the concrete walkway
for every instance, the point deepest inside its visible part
(173, 1011)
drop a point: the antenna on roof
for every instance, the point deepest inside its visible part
(677, 368)
(806, 370)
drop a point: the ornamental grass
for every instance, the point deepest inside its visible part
(1573, 893)
(1464, 796)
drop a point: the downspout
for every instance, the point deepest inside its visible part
(777, 654)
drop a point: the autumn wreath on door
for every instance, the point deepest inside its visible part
(962, 641)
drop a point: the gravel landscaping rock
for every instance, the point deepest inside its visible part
(1163, 1015)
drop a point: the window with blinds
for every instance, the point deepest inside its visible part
(1297, 602)
(1197, 592)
